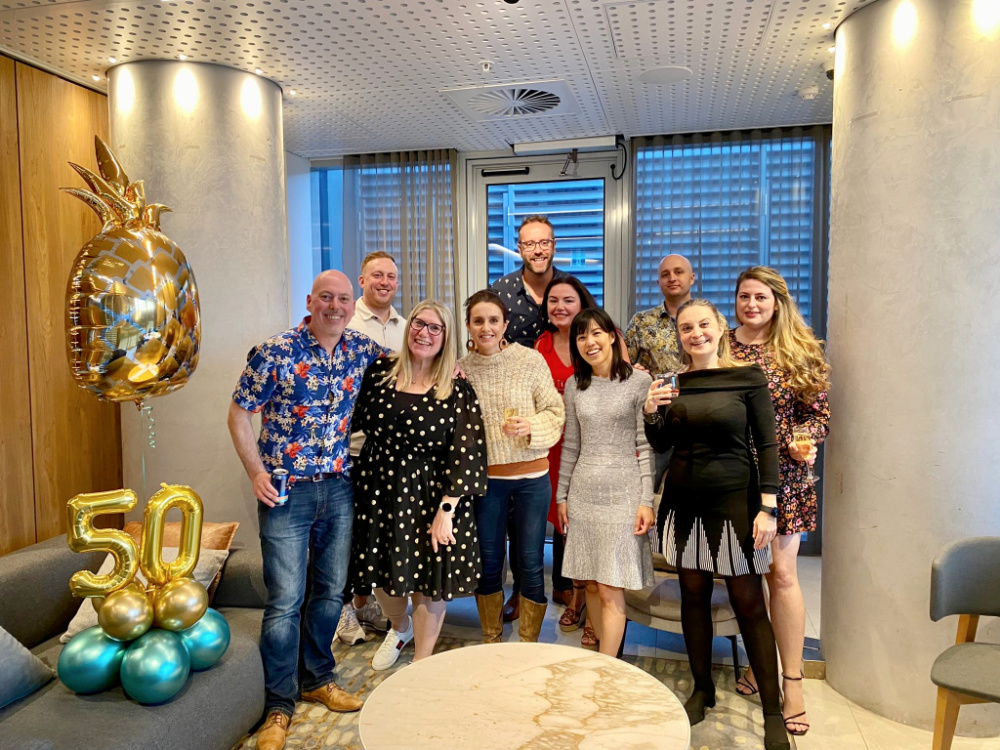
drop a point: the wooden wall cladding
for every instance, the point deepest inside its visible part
(17, 492)
(76, 439)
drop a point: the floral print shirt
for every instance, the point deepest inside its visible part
(651, 338)
(306, 398)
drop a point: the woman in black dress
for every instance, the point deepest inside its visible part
(423, 460)
(718, 514)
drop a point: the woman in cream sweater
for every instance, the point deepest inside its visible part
(523, 415)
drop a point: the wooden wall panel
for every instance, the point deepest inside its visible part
(76, 438)
(17, 492)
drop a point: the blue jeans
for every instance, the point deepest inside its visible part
(306, 539)
(527, 500)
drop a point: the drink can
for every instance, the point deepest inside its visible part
(279, 479)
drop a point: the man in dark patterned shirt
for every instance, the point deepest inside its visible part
(523, 289)
(304, 382)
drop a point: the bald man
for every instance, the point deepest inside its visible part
(305, 382)
(651, 336)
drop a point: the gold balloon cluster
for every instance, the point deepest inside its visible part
(132, 309)
(170, 598)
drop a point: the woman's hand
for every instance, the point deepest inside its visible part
(658, 395)
(765, 527)
(517, 427)
(441, 531)
(798, 455)
(563, 518)
(644, 519)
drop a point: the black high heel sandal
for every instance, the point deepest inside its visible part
(794, 719)
(775, 737)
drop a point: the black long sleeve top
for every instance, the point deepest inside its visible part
(710, 426)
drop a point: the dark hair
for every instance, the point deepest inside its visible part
(485, 295)
(620, 369)
(587, 300)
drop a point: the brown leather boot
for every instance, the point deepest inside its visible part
(490, 608)
(272, 735)
(532, 614)
(333, 698)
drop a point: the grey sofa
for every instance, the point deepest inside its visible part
(213, 710)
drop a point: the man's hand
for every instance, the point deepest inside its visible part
(263, 490)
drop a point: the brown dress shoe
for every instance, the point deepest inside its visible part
(512, 608)
(333, 698)
(564, 598)
(272, 735)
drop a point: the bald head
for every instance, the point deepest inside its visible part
(331, 306)
(675, 277)
(331, 277)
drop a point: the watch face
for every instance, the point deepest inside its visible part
(447, 507)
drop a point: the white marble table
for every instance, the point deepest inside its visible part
(523, 696)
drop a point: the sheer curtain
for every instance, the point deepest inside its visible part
(403, 203)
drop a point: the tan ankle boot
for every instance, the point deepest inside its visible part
(532, 614)
(272, 735)
(491, 616)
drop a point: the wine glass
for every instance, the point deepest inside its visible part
(803, 441)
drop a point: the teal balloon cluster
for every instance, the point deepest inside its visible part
(152, 668)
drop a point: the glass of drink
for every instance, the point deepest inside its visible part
(669, 380)
(803, 441)
(508, 414)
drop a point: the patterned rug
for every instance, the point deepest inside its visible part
(735, 722)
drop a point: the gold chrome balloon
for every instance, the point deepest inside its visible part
(126, 614)
(84, 537)
(180, 604)
(156, 571)
(132, 309)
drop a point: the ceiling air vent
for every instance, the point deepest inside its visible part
(503, 102)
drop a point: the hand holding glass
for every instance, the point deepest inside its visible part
(804, 443)
(669, 379)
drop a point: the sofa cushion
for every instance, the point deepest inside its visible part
(213, 536)
(214, 709)
(21, 672)
(242, 583)
(662, 600)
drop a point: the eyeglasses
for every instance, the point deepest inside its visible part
(530, 244)
(434, 329)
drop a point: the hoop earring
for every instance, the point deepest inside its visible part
(470, 346)
(504, 343)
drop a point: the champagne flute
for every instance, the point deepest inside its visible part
(509, 413)
(803, 441)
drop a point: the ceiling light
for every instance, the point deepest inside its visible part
(96, 78)
(292, 92)
(182, 57)
(827, 25)
(112, 60)
(258, 71)
(832, 49)
(599, 143)
(665, 75)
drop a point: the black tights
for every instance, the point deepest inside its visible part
(746, 595)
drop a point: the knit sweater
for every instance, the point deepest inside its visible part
(517, 378)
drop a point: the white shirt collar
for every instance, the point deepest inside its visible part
(362, 309)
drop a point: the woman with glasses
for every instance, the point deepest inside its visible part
(423, 461)
(523, 415)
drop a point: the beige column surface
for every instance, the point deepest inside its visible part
(913, 461)
(208, 142)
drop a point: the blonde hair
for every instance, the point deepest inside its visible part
(724, 352)
(376, 255)
(443, 368)
(793, 344)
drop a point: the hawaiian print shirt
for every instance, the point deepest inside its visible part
(651, 338)
(307, 398)
(526, 315)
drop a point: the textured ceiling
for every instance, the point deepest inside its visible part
(381, 75)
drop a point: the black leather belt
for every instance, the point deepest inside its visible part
(320, 477)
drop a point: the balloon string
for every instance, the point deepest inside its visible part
(149, 428)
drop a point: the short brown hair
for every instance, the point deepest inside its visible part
(489, 296)
(539, 219)
(375, 256)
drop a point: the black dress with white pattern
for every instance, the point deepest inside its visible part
(417, 449)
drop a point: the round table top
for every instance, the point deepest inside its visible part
(519, 695)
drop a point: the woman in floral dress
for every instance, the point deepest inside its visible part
(773, 335)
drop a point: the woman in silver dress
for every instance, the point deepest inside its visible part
(605, 491)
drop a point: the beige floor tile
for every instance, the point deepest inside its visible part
(833, 724)
(883, 734)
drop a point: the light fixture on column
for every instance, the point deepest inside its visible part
(570, 158)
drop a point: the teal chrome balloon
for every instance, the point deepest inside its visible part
(91, 661)
(206, 640)
(155, 667)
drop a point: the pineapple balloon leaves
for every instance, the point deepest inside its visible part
(132, 312)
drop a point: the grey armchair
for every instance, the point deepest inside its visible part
(964, 583)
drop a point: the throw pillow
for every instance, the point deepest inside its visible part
(210, 562)
(21, 672)
(213, 536)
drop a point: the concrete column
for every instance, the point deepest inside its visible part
(913, 461)
(208, 142)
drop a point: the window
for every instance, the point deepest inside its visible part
(731, 201)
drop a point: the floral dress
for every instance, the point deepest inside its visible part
(797, 506)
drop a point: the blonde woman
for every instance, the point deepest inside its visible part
(523, 415)
(773, 335)
(423, 461)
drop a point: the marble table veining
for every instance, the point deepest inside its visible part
(523, 696)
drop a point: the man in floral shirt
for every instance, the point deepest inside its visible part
(304, 382)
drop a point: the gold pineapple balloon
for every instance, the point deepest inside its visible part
(133, 320)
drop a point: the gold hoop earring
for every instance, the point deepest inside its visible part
(470, 346)
(504, 343)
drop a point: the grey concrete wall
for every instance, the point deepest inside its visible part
(208, 141)
(913, 460)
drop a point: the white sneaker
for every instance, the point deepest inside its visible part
(388, 652)
(349, 630)
(371, 615)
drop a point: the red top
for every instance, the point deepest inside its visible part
(561, 373)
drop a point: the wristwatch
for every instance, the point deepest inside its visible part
(771, 510)
(447, 508)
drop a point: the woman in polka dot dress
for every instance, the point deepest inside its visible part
(423, 460)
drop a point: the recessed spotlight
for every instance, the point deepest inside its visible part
(292, 92)
(827, 25)
(258, 71)
(832, 49)
(112, 60)
(182, 57)
(96, 78)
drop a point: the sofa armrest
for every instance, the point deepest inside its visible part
(242, 583)
(34, 589)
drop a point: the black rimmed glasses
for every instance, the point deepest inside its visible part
(541, 244)
(434, 329)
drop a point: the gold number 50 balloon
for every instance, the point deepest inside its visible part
(84, 537)
(156, 571)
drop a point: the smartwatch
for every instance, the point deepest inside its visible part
(771, 510)
(447, 508)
